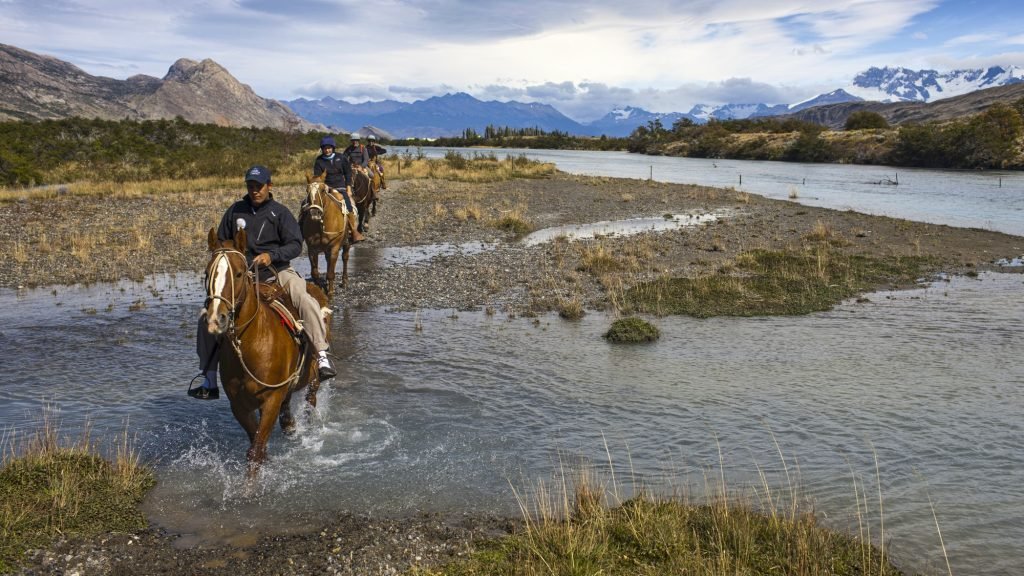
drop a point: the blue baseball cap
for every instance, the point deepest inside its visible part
(327, 141)
(259, 174)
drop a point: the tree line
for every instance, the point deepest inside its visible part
(52, 151)
(989, 139)
(507, 137)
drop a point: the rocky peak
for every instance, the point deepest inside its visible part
(40, 87)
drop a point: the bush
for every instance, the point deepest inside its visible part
(632, 330)
(866, 120)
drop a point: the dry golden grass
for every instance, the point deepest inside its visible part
(19, 253)
(473, 169)
(471, 211)
(598, 258)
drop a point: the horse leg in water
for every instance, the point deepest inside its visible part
(314, 264)
(364, 219)
(257, 453)
(247, 418)
(344, 265)
(287, 420)
(332, 262)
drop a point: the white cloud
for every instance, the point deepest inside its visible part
(584, 57)
(970, 39)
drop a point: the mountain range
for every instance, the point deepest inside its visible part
(34, 86)
(37, 87)
(450, 114)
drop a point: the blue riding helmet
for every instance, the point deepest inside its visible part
(327, 141)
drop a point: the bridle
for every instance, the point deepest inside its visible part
(221, 254)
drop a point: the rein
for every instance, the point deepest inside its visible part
(235, 331)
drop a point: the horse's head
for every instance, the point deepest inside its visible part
(226, 280)
(316, 195)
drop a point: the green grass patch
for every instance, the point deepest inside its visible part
(652, 536)
(775, 283)
(632, 330)
(49, 489)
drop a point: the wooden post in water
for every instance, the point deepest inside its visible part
(1000, 181)
(651, 177)
(741, 179)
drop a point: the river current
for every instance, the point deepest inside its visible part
(447, 411)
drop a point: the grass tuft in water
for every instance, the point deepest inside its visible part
(50, 487)
(775, 282)
(632, 330)
(580, 526)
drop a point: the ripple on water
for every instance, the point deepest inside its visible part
(922, 384)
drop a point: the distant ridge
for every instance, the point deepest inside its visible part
(834, 115)
(38, 87)
(437, 116)
(450, 114)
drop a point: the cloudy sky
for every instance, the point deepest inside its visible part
(582, 56)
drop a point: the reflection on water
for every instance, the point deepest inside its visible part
(619, 227)
(926, 383)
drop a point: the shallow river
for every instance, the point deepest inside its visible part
(925, 384)
(991, 199)
(445, 411)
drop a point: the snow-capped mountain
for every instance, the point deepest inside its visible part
(621, 121)
(834, 97)
(901, 84)
(705, 112)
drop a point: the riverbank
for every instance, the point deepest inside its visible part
(475, 231)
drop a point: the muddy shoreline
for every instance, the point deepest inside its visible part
(71, 239)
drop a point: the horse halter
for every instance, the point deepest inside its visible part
(221, 267)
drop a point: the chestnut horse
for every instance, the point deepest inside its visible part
(261, 363)
(325, 230)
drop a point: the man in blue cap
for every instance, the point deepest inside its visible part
(273, 240)
(339, 177)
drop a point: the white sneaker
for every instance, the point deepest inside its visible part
(324, 368)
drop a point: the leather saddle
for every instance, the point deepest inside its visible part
(274, 295)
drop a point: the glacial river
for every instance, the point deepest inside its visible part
(444, 410)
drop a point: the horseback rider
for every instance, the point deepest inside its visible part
(375, 151)
(357, 155)
(339, 178)
(274, 240)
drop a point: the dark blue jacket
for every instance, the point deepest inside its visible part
(269, 228)
(339, 172)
